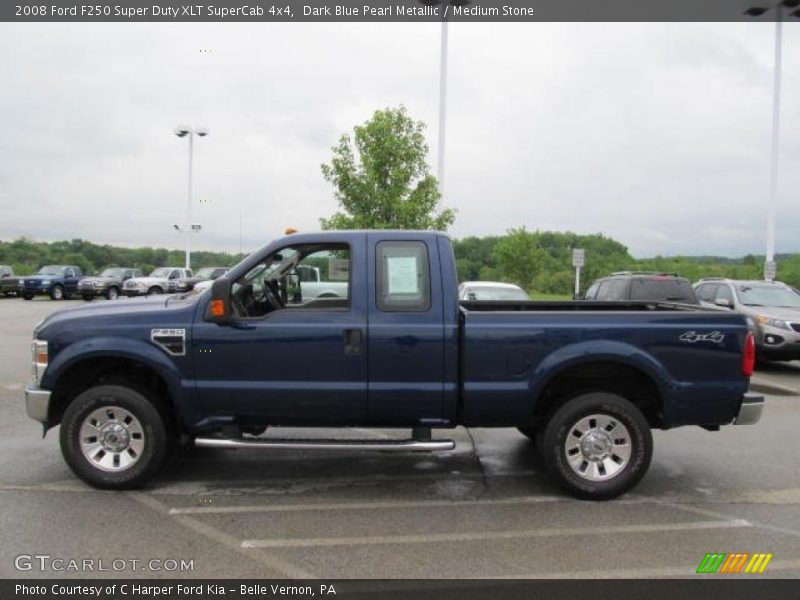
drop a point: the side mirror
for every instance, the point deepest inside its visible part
(218, 309)
(723, 302)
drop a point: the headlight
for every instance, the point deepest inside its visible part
(777, 323)
(39, 359)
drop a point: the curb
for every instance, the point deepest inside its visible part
(760, 385)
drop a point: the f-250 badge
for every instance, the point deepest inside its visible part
(693, 337)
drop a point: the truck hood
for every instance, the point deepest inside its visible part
(41, 277)
(118, 311)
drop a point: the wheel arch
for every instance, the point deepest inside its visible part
(68, 376)
(617, 368)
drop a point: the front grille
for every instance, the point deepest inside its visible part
(795, 326)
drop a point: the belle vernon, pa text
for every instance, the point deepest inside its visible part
(171, 591)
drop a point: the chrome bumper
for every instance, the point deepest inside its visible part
(750, 410)
(37, 403)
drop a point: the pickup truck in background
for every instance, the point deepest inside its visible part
(158, 282)
(9, 283)
(59, 282)
(186, 284)
(587, 380)
(108, 283)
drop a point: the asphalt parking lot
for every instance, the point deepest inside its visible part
(483, 510)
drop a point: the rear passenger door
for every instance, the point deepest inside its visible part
(405, 332)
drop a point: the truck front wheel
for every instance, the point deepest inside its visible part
(597, 446)
(113, 437)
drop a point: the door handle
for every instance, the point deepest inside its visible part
(352, 341)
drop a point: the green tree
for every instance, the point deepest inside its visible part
(519, 257)
(382, 177)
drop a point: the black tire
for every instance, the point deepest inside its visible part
(27, 296)
(565, 421)
(112, 293)
(155, 291)
(57, 292)
(156, 436)
(88, 297)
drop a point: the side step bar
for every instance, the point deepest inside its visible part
(311, 444)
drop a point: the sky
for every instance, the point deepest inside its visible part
(657, 135)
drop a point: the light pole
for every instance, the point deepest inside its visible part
(189, 228)
(442, 105)
(757, 11)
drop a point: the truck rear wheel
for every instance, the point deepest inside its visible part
(597, 446)
(113, 437)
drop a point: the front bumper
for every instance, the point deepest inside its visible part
(37, 403)
(750, 410)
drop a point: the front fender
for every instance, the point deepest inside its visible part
(115, 347)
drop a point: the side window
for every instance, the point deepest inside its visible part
(403, 277)
(591, 293)
(174, 274)
(706, 291)
(602, 290)
(617, 290)
(329, 287)
(724, 293)
(69, 273)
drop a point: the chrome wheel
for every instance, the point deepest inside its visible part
(113, 294)
(57, 293)
(111, 439)
(598, 447)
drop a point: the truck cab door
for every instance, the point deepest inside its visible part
(70, 281)
(302, 363)
(406, 333)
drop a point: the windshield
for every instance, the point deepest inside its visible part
(111, 273)
(51, 270)
(205, 273)
(162, 272)
(495, 293)
(767, 295)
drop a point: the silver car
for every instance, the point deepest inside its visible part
(772, 310)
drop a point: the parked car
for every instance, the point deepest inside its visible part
(9, 283)
(642, 286)
(491, 290)
(772, 310)
(158, 282)
(57, 281)
(398, 351)
(185, 284)
(108, 283)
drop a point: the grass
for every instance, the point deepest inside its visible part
(541, 296)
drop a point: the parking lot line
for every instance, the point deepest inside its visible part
(211, 510)
(274, 563)
(488, 535)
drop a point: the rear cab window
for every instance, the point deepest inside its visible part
(403, 277)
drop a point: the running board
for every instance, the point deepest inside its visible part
(310, 444)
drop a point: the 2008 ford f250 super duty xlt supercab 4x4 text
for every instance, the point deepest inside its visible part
(587, 380)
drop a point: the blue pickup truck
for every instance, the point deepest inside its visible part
(586, 380)
(57, 281)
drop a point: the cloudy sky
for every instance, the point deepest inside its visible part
(655, 134)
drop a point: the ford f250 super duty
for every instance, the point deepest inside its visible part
(587, 380)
